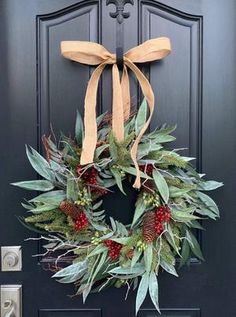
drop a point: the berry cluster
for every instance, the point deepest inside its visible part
(114, 249)
(148, 169)
(81, 222)
(162, 215)
(89, 176)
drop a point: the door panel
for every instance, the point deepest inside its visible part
(194, 87)
(171, 313)
(178, 97)
(71, 313)
(62, 85)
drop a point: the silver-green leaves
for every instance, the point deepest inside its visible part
(71, 273)
(40, 165)
(161, 185)
(142, 291)
(149, 283)
(153, 290)
(209, 202)
(79, 129)
(40, 185)
(141, 117)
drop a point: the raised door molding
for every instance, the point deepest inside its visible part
(177, 80)
(77, 22)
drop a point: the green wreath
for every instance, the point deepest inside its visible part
(70, 218)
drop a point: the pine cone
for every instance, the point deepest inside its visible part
(70, 209)
(148, 229)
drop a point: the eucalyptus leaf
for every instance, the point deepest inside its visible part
(195, 224)
(136, 269)
(121, 229)
(142, 291)
(176, 192)
(98, 227)
(141, 117)
(99, 249)
(100, 118)
(100, 149)
(135, 257)
(161, 185)
(153, 290)
(129, 126)
(171, 239)
(71, 269)
(148, 257)
(185, 253)
(39, 163)
(145, 148)
(121, 240)
(113, 224)
(162, 138)
(209, 202)
(109, 182)
(118, 179)
(40, 185)
(132, 171)
(194, 245)
(210, 185)
(168, 267)
(204, 211)
(182, 216)
(97, 205)
(139, 211)
(53, 197)
(44, 207)
(79, 129)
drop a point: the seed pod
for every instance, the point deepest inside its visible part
(70, 209)
(148, 228)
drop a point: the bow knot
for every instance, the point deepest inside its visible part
(91, 53)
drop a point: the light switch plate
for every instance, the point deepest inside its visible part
(11, 258)
(11, 300)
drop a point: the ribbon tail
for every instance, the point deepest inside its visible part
(149, 95)
(117, 106)
(90, 123)
(125, 93)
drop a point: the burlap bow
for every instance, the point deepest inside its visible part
(95, 54)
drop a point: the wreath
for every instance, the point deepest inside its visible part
(170, 206)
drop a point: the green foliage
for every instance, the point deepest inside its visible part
(161, 185)
(105, 252)
(153, 290)
(142, 291)
(39, 185)
(79, 129)
(119, 150)
(141, 117)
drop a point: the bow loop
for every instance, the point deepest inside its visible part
(150, 50)
(90, 53)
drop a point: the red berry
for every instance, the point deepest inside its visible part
(89, 176)
(148, 169)
(81, 222)
(162, 215)
(159, 228)
(108, 243)
(114, 249)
